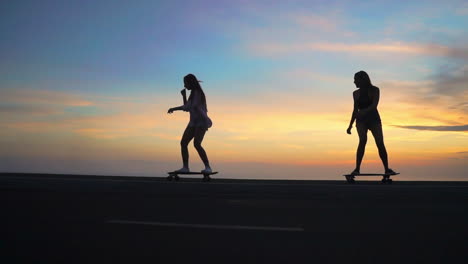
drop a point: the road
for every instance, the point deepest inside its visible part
(104, 219)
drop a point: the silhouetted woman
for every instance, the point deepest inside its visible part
(198, 124)
(366, 99)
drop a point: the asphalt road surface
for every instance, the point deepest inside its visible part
(103, 219)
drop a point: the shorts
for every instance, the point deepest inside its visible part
(368, 125)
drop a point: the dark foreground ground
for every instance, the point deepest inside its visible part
(88, 219)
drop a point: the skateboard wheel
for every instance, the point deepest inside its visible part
(390, 181)
(169, 178)
(350, 179)
(206, 177)
(176, 177)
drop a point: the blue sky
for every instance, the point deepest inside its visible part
(144, 41)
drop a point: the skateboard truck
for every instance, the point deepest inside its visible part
(175, 175)
(385, 179)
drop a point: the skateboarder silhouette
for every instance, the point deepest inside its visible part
(366, 99)
(198, 124)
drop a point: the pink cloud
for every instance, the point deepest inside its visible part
(395, 47)
(463, 11)
(330, 23)
(316, 21)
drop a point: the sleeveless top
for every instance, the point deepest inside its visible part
(198, 111)
(363, 102)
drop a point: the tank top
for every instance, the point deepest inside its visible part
(364, 101)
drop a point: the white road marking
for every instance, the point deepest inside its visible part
(233, 227)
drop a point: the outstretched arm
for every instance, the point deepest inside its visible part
(178, 108)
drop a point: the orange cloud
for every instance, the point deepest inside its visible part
(280, 128)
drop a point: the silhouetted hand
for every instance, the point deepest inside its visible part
(183, 92)
(349, 130)
(170, 110)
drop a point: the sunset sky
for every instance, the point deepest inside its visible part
(85, 85)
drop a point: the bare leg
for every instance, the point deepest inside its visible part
(199, 135)
(186, 138)
(362, 132)
(379, 141)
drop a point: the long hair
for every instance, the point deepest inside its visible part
(364, 77)
(194, 83)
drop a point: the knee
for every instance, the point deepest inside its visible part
(184, 143)
(197, 145)
(380, 145)
(362, 142)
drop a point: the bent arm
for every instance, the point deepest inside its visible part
(188, 104)
(194, 103)
(184, 96)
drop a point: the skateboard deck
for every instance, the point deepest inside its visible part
(385, 179)
(175, 175)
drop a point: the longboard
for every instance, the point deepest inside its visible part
(175, 175)
(385, 179)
